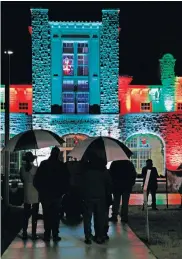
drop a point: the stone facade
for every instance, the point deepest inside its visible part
(19, 122)
(90, 125)
(109, 61)
(167, 126)
(41, 81)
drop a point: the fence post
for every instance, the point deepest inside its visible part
(167, 202)
(146, 203)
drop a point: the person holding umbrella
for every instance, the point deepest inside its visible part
(31, 200)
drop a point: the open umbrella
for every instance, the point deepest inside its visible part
(33, 139)
(109, 149)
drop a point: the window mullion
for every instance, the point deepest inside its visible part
(75, 58)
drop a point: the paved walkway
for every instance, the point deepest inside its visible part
(123, 244)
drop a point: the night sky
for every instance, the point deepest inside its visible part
(149, 29)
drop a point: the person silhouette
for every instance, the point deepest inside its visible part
(31, 199)
(152, 185)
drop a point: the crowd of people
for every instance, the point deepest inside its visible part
(79, 189)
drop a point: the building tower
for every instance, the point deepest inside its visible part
(109, 61)
(41, 61)
(167, 64)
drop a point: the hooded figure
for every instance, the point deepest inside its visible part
(123, 175)
(96, 183)
(51, 182)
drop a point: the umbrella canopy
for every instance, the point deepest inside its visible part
(33, 139)
(109, 149)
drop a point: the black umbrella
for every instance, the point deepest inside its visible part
(33, 139)
(109, 149)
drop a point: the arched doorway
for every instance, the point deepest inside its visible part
(147, 146)
(71, 141)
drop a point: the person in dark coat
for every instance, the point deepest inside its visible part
(123, 175)
(51, 181)
(72, 203)
(152, 185)
(109, 202)
(95, 181)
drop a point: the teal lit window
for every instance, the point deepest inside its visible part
(68, 47)
(83, 85)
(75, 90)
(82, 65)
(68, 97)
(83, 108)
(68, 107)
(68, 85)
(82, 47)
(68, 64)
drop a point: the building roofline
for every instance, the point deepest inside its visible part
(39, 9)
(75, 23)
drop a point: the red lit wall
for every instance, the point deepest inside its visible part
(20, 95)
(124, 94)
(131, 96)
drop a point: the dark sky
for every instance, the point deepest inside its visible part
(149, 29)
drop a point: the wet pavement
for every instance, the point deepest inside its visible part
(123, 243)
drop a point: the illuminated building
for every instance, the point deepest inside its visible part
(76, 92)
(20, 99)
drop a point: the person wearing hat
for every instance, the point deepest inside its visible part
(31, 200)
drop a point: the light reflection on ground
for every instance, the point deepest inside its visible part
(173, 199)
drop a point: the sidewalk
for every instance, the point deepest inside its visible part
(123, 244)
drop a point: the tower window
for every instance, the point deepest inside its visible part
(2, 106)
(179, 106)
(23, 106)
(82, 47)
(68, 47)
(83, 85)
(68, 63)
(82, 65)
(68, 85)
(68, 107)
(145, 106)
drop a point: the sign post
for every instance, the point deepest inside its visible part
(146, 203)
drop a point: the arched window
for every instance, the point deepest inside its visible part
(141, 148)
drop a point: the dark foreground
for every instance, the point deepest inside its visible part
(165, 230)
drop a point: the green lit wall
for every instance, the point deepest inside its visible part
(167, 102)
